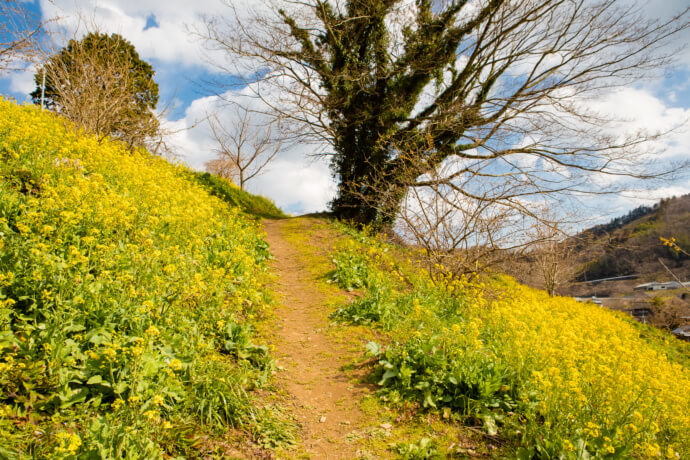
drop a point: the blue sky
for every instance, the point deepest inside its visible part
(296, 182)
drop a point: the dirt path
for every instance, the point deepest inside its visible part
(325, 402)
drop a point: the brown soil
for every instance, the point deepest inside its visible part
(324, 401)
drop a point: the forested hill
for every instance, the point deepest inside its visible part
(631, 244)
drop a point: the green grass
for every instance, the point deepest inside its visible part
(254, 205)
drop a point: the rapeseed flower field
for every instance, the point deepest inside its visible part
(127, 297)
(554, 377)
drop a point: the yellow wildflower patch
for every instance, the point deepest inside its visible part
(116, 267)
(560, 378)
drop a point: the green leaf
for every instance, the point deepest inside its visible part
(72, 397)
(524, 453)
(94, 380)
(120, 388)
(374, 348)
(389, 374)
(490, 426)
(74, 328)
(428, 399)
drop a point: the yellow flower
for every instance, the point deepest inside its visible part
(568, 446)
(175, 364)
(68, 442)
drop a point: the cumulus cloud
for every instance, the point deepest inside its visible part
(23, 82)
(638, 110)
(169, 41)
(298, 182)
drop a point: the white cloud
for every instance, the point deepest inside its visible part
(23, 82)
(638, 110)
(169, 42)
(297, 182)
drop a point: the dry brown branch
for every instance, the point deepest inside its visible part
(244, 148)
(19, 33)
(552, 255)
(222, 168)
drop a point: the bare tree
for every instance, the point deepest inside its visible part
(502, 86)
(244, 149)
(19, 33)
(459, 236)
(668, 311)
(552, 256)
(221, 167)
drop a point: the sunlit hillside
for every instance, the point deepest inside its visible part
(553, 377)
(127, 297)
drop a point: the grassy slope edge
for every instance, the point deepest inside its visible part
(254, 205)
(550, 377)
(127, 298)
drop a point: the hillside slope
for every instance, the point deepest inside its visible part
(632, 246)
(547, 377)
(254, 205)
(127, 297)
(132, 308)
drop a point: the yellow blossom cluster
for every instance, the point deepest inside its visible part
(115, 269)
(562, 379)
(599, 379)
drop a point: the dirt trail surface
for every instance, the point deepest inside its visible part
(325, 401)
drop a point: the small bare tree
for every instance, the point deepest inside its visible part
(19, 31)
(668, 312)
(222, 168)
(244, 148)
(458, 234)
(552, 256)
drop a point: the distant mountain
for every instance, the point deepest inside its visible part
(630, 244)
